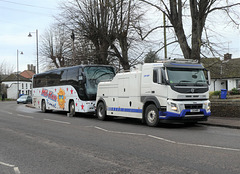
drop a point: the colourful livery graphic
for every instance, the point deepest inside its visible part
(55, 99)
(71, 89)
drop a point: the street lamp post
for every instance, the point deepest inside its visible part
(18, 72)
(30, 35)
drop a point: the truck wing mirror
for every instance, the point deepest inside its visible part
(209, 78)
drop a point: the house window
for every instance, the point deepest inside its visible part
(238, 83)
(26, 86)
(22, 86)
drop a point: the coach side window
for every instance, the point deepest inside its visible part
(63, 79)
(53, 79)
(72, 76)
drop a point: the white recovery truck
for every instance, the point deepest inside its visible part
(167, 91)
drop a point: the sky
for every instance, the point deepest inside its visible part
(19, 17)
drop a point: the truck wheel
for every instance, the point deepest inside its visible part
(72, 109)
(151, 115)
(101, 111)
(43, 106)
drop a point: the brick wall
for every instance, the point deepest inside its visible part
(225, 107)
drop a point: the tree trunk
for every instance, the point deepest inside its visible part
(124, 59)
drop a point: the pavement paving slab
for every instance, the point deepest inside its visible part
(229, 122)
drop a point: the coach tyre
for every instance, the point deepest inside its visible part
(43, 108)
(151, 115)
(72, 109)
(101, 111)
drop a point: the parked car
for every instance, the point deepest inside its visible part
(24, 99)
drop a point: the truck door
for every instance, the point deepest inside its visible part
(159, 87)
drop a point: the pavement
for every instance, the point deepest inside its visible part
(229, 122)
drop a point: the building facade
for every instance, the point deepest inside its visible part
(225, 74)
(19, 84)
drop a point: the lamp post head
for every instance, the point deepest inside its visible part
(29, 35)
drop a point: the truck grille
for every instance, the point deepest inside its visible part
(193, 106)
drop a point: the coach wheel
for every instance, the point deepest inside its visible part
(43, 108)
(151, 115)
(101, 111)
(72, 109)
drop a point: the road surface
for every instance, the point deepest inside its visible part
(35, 143)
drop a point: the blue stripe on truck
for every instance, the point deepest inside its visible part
(124, 110)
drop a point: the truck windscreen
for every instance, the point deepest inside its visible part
(186, 77)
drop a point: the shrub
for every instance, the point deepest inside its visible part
(214, 93)
(234, 91)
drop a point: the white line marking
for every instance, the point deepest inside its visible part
(170, 141)
(195, 145)
(101, 129)
(162, 139)
(7, 112)
(5, 164)
(25, 116)
(117, 132)
(16, 169)
(56, 121)
(212, 147)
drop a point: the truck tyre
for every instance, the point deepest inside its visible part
(151, 115)
(101, 111)
(43, 106)
(72, 109)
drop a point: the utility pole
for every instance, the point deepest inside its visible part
(165, 36)
(73, 48)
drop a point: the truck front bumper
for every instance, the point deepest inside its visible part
(185, 115)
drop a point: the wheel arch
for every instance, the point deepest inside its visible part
(101, 100)
(69, 102)
(147, 101)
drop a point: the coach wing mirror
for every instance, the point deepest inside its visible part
(82, 77)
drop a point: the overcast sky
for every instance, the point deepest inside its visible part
(19, 17)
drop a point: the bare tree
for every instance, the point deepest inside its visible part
(107, 24)
(55, 47)
(198, 10)
(91, 19)
(125, 19)
(6, 68)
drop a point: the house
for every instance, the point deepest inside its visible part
(18, 84)
(225, 74)
(29, 72)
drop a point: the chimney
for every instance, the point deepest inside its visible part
(28, 67)
(227, 56)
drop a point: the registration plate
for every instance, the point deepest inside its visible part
(194, 110)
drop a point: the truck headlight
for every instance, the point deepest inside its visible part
(207, 106)
(174, 107)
